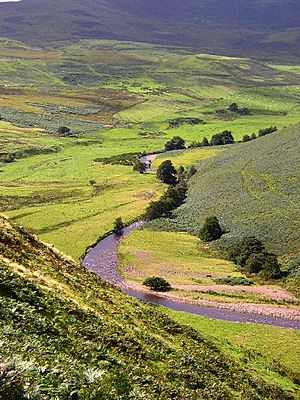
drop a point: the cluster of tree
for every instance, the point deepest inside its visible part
(267, 131)
(219, 139)
(170, 200)
(174, 123)
(158, 284)
(176, 143)
(211, 230)
(261, 132)
(251, 256)
(239, 110)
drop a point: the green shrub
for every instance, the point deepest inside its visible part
(118, 226)
(234, 280)
(211, 230)
(167, 173)
(158, 284)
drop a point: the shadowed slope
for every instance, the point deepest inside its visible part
(255, 26)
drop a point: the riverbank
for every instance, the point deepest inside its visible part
(103, 260)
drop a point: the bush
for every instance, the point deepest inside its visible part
(64, 131)
(118, 226)
(139, 167)
(222, 138)
(158, 284)
(267, 131)
(171, 199)
(167, 173)
(211, 230)
(177, 143)
(248, 246)
(234, 280)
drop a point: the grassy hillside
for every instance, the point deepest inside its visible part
(116, 97)
(253, 188)
(64, 333)
(247, 27)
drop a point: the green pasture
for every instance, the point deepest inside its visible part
(116, 97)
(178, 257)
(265, 345)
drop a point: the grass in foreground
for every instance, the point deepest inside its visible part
(266, 344)
(62, 337)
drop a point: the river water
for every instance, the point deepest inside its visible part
(103, 260)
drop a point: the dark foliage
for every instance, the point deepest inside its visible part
(222, 138)
(64, 131)
(242, 251)
(176, 143)
(211, 230)
(167, 173)
(139, 167)
(267, 131)
(171, 199)
(158, 284)
(118, 226)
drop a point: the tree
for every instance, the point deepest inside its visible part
(167, 173)
(267, 131)
(266, 264)
(158, 284)
(172, 199)
(222, 138)
(211, 230)
(253, 136)
(177, 143)
(205, 142)
(139, 167)
(118, 226)
(246, 138)
(249, 245)
(64, 131)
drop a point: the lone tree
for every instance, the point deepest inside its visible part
(211, 230)
(167, 173)
(177, 143)
(118, 226)
(139, 167)
(158, 284)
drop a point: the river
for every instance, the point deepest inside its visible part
(103, 260)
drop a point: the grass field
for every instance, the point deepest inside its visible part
(178, 257)
(116, 97)
(194, 269)
(264, 345)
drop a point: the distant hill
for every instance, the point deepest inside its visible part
(256, 27)
(254, 189)
(67, 335)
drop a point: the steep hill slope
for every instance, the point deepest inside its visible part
(253, 188)
(65, 334)
(254, 26)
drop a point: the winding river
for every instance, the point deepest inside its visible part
(103, 260)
